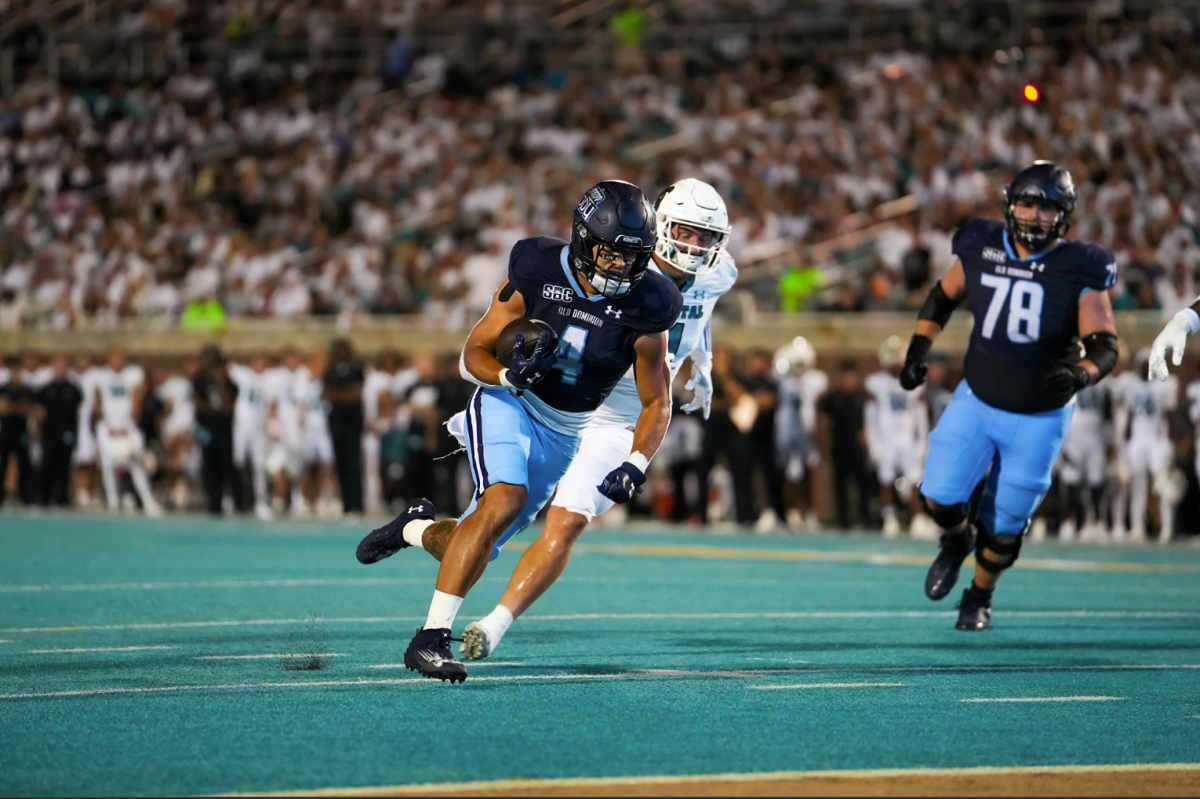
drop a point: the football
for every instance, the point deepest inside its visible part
(531, 329)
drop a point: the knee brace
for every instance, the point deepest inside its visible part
(947, 517)
(1005, 548)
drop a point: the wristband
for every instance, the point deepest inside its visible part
(1190, 320)
(639, 460)
(504, 381)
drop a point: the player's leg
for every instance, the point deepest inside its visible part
(602, 448)
(1140, 467)
(1028, 445)
(960, 451)
(108, 475)
(137, 472)
(886, 470)
(1071, 475)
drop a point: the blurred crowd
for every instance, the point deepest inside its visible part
(272, 194)
(788, 445)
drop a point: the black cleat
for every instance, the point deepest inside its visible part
(943, 574)
(388, 540)
(974, 612)
(429, 654)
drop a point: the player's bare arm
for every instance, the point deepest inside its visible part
(654, 390)
(1098, 335)
(479, 362)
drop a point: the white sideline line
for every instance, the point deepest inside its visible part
(633, 674)
(850, 614)
(826, 685)
(96, 649)
(1051, 699)
(473, 664)
(280, 583)
(268, 657)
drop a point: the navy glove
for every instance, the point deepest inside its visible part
(622, 483)
(915, 366)
(1065, 381)
(524, 372)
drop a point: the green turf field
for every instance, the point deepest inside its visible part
(147, 657)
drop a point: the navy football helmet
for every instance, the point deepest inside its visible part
(613, 235)
(1046, 184)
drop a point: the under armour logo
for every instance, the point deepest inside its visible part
(610, 311)
(1038, 267)
(414, 509)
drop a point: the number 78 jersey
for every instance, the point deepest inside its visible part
(1026, 312)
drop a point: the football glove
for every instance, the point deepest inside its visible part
(1062, 383)
(701, 387)
(1172, 339)
(526, 371)
(915, 367)
(622, 483)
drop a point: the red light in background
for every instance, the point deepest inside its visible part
(1031, 93)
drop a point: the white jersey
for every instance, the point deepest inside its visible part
(250, 409)
(177, 393)
(1193, 400)
(895, 418)
(37, 378)
(116, 390)
(1148, 402)
(692, 333)
(374, 383)
(1088, 418)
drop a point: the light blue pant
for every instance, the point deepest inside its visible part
(1021, 448)
(507, 445)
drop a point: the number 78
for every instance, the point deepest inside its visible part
(1024, 308)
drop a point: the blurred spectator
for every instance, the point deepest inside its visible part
(844, 406)
(215, 394)
(17, 404)
(60, 400)
(343, 391)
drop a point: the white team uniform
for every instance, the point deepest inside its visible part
(316, 446)
(1193, 399)
(897, 429)
(250, 426)
(285, 441)
(1084, 453)
(119, 442)
(607, 440)
(177, 392)
(1148, 450)
(85, 446)
(374, 383)
(796, 421)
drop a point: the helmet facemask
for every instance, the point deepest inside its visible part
(689, 247)
(1034, 234)
(611, 269)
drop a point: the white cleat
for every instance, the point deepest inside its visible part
(1137, 535)
(476, 642)
(154, 510)
(263, 511)
(891, 527)
(923, 528)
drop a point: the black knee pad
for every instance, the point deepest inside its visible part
(947, 517)
(1007, 547)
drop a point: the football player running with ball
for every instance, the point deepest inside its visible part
(693, 226)
(523, 425)
(1039, 302)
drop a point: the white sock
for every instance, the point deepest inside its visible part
(414, 532)
(442, 611)
(497, 623)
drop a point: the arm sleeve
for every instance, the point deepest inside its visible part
(701, 355)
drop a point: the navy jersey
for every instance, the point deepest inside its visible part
(596, 334)
(1026, 312)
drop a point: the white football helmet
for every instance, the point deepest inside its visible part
(696, 204)
(795, 357)
(892, 351)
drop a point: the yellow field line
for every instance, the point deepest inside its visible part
(431, 788)
(879, 559)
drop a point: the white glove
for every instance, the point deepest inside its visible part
(1173, 338)
(701, 387)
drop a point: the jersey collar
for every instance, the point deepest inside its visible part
(1012, 254)
(691, 281)
(579, 292)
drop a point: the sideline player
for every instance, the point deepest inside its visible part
(896, 424)
(119, 442)
(693, 226)
(524, 423)
(1036, 299)
(250, 417)
(1143, 427)
(801, 386)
